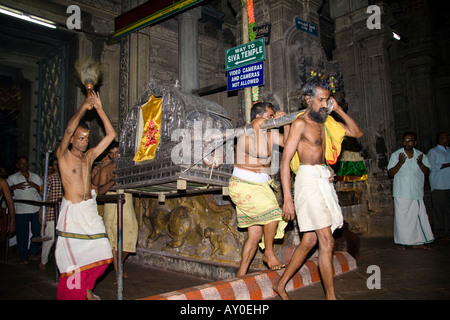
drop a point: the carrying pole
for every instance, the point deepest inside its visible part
(245, 39)
(218, 140)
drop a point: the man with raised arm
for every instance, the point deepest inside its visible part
(316, 204)
(83, 251)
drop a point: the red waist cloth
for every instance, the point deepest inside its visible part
(75, 286)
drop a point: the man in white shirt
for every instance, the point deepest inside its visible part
(409, 167)
(25, 185)
(439, 158)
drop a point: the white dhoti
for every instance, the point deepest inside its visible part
(82, 242)
(316, 201)
(411, 225)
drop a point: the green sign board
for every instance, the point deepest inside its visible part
(244, 54)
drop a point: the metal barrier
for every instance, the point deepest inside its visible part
(119, 198)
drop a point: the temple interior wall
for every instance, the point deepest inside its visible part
(390, 86)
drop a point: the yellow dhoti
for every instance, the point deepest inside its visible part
(256, 204)
(130, 225)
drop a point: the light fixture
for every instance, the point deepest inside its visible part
(30, 18)
(399, 36)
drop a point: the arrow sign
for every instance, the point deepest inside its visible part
(245, 61)
(245, 54)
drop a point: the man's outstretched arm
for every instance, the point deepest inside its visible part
(71, 127)
(109, 129)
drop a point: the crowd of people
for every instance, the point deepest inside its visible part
(87, 239)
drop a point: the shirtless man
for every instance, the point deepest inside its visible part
(106, 174)
(313, 206)
(250, 188)
(82, 242)
(72, 163)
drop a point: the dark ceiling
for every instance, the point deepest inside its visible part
(25, 38)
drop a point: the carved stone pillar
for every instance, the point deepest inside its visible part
(134, 65)
(416, 62)
(364, 62)
(283, 54)
(188, 58)
(421, 98)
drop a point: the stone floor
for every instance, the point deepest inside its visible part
(410, 274)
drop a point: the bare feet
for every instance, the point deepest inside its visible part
(330, 296)
(421, 247)
(91, 296)
(281, 291)
(272, 262)
(125, 275)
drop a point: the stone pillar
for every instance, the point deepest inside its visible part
(188, 58)
(134, 65)
(282, 18)
(364, 62)
(283, 67)
(415, 62)
(421, 98)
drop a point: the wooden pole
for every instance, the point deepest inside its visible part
(245, 39)
(220, 139)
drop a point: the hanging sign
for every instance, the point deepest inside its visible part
(305, 26)
(263, 32)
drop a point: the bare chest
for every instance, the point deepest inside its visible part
(314, 135)
(75, 168)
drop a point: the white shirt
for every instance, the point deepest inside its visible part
(25, 194)
(439, 178)
(409, 180)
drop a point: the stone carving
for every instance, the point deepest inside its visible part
(195, 227)
(305, 53)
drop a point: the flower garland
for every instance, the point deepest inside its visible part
(252, 37)
(331, 79)
(251, 20)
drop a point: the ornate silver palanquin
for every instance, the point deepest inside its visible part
(162, 175)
